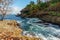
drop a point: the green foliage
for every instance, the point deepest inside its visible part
(32, 2)
(42, 6)
(55, 1)
(32, 7)
(54, 13)
(53, 4)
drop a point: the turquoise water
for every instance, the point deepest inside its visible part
(31, 28)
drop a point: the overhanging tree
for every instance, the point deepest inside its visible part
(5, 7)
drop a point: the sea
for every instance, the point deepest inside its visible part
(32, 27)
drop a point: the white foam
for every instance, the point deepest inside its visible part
(38, 31)
(52, 38)
(41, 36)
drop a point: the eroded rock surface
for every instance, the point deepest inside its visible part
(9, 30)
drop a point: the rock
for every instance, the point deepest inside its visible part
(9, 30)
(51, 19)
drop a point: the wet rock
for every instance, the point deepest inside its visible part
(51, 19)
(46, 23)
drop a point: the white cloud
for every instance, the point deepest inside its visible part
(45, 0)
(16, 10)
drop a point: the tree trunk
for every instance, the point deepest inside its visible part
(2, 17)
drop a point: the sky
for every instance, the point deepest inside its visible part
(18, 5)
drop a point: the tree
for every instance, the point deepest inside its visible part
(55, 1)
(30, 6)
(32, 3)
(38, 1)
(5, 7)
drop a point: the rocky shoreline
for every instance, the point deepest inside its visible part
(50, 13)
(9, 30)
(51, 19)
(46, 18)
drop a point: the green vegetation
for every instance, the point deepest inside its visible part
(52, 7)
(55, 1)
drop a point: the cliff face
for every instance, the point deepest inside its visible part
(53, 12)
(9, 30)
(51, 19)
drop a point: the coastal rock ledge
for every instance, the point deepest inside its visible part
(9, 30)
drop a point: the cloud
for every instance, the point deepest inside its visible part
(45, 0)
(16, 10)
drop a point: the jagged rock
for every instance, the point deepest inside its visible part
(51, 19)
(9, 30)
